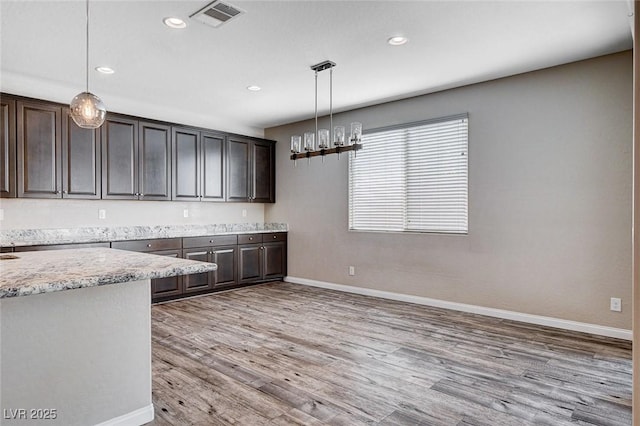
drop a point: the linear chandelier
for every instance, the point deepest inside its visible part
(323, 136)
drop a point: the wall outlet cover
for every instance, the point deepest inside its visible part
(185, 212)
(102, 214)
(352, 270)
(616, 304)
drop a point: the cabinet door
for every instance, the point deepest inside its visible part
(275, 257)
(154, 155)
(186, 164)
(213, 171)
(80, 160)
(226, 259)
(169, 286)
(120, 158)
(238, 151)
(263, 168)
(249, 263)
(39, 136)
(197, 282)
(7, 148)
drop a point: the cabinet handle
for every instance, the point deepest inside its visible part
(211, 241)
(149, 245)
(275, 236)
(250, 238)
(56, 192)
(64, 192)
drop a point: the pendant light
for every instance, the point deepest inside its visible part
(88, 110)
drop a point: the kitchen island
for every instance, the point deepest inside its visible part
(75, 335)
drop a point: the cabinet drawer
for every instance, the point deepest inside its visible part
(149, 245)
(213, 240)
(61, 246)
(274, 236)
(249, 238)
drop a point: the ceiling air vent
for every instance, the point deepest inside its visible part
(217, 13)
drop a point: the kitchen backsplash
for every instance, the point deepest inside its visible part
(36, 214)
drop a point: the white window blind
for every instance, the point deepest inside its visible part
(411, 178)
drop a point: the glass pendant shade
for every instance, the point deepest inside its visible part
(356, 132)
(88, 110)
(323, 139)
(309, 141)
(295, 144)
(338, 136)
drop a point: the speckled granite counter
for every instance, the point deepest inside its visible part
(28, 237)
(51, 271)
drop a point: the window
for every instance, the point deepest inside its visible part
(411, 178)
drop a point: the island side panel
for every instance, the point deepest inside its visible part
(85, 353)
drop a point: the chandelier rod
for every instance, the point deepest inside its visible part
(316, 114)
(331, 106)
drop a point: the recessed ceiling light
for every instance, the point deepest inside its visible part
(105, 70)
(397, 40)
(254, 88)
(174, 22)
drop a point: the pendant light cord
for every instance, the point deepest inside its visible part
(87, 46)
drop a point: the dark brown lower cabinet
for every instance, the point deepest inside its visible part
(197, 282)
(161, 288)
(242, 259)
(263, 259)
(221, 250)
(168, 286)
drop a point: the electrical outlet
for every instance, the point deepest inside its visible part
(616, 304)
(102, 214)
(352, 270)
(244, 212)
(185, 212)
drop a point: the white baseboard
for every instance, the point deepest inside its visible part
(600, 330)
(134, 418)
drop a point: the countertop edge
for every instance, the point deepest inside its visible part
(127, 273)
(128, 233)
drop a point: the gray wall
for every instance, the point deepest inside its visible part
(549, 199)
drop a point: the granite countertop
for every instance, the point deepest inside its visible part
(30, 237)
(58, 270)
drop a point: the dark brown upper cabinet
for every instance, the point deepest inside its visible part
(154, 154)
(136, 159)
(198, 165)
(56, 158)
(39, 149)
(119, 158)
(7, 147)
(80, 160)
(263, 161)
(251, 170)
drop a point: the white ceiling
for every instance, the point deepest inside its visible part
(199, 75)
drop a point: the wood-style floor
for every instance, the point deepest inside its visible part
(280, 354)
